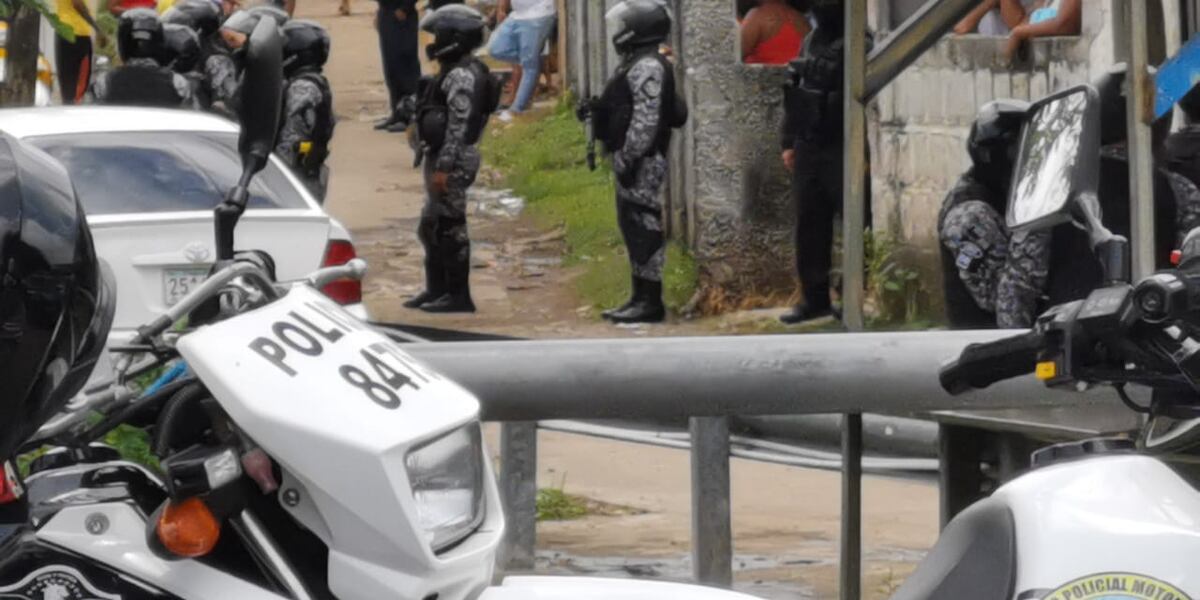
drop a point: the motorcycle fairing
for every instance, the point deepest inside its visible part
(29, 567)
(1111, 514)
(975, 557)
(339, 405)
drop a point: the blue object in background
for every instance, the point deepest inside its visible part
(1176, 77)
(177, 370)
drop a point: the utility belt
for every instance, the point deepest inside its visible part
(808, 113)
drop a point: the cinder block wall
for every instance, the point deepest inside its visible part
(728, 194)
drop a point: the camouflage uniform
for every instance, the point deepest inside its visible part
(443, 226)
(108, 87)
(1004, 275)
(221, 78)
(303, 99)
(641, 170)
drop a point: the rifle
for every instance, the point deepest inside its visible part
(585, 113)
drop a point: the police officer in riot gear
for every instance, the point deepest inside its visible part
(974, 238)
(1013, 277)
(143, 79)
(451, 116)
(222, 67)
(308, 119)
(812, 150)
(1181, 152)
(56, 297)
(633, 119)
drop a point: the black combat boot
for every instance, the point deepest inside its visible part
(435, 285)
(608, 314)
(647, 305)
(808, 312)
(457, 298)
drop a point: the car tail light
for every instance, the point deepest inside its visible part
(10, 485)
(346, 291)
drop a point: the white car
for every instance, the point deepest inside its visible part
(149, 180)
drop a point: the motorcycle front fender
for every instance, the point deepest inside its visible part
(592, 588)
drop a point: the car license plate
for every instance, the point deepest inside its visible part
(178, 283)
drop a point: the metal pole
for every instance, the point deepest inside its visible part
(959, 478)
(1139, 109)
(518, 490)
(911, 39)
(855, 175)
(712, 530)
(714, 376)
(851, 559)
(855, 165)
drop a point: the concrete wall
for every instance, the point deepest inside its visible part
(728, 194)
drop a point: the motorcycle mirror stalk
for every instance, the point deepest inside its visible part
(262, 90)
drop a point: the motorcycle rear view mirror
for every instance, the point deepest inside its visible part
(1058, 162)
(262, 90)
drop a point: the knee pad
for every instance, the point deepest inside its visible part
(975, 233)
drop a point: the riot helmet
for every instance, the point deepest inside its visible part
(140, 35)
(995, 138)
(638, 24)
(457, 31)
(182, 46)
(273, 11)
(56, 297)
(201, 16)
(305, 47)
(1111, 89)
(829, 14)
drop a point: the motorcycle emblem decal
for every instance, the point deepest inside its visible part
(1111, 586)
(55, 582)
(196, 252)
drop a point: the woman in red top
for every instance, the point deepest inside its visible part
(773, 33)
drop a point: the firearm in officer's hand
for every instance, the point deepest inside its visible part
(584, 113)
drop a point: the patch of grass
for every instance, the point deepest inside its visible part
(133, 444)
(544, 162)
(553, 504)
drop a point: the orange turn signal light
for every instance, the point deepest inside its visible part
(1047, 370)
(188, 528)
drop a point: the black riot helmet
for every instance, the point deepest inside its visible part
(638, 24)
(201, 16)
(829, 14)
(56, 298)
(457, 31)
(1111, 89)
(140, 35)
(305, 47)
(182, 48)
(995, 138)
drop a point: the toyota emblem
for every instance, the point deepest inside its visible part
(196, 252)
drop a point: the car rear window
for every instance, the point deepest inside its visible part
(148, 172)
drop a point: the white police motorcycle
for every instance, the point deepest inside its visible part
(303, 453)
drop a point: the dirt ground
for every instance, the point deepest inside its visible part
(785, 519)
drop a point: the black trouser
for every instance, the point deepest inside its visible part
(398, 48)
(74, 64)
(817, 193)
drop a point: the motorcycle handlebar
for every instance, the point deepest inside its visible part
(354, 269)
(981, 365)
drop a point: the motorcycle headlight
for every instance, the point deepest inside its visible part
(446, 476)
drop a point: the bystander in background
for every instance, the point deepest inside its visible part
(74, 58)
(397, 22)
(773, 31)
(523, 28)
